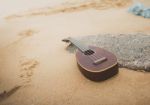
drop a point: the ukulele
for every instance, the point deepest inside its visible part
(95, 63)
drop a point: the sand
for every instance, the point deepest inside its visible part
(33, 57)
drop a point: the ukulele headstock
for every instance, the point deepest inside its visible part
(67, 40)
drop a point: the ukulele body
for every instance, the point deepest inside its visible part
(97, 72)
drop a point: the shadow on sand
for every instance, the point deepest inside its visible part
(6, 94)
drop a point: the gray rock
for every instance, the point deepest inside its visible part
(132, 50)
(136, 9)
(140, 10)
(146, 13)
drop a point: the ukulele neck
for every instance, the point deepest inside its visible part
(79, 45)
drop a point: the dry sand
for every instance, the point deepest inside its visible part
(32, 56)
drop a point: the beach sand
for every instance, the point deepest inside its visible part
(33, 57)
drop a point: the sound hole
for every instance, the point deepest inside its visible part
(89, 52)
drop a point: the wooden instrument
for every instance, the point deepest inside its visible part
(95, 63)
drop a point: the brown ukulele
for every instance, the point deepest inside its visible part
(94, 63)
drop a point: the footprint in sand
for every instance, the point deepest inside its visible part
(22, 35)
(28, 32)
(27, 67)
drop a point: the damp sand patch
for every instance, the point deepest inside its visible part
(132, 50)
(71, 6)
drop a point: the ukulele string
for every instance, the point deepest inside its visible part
(90, 55)
(92, 58)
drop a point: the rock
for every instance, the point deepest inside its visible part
(132, 50)
(140, 10)
(146, 13)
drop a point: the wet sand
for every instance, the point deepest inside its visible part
(32, 56)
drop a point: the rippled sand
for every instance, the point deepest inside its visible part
(73, 6)
(33, 58)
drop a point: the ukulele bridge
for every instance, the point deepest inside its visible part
(100, 60)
